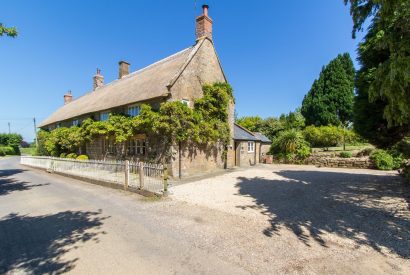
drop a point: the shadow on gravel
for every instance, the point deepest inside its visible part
(36, 245)
(8, 184)
(368, 209)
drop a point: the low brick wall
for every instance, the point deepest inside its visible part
(364, 163)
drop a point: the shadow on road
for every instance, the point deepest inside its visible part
(368, 209)
(35, 245)
(8, 184)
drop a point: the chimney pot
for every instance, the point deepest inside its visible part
(204, 24)
(205, 9)
(124, 69)
(98, 80)
(68, 97)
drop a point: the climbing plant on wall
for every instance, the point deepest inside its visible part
(174, 122)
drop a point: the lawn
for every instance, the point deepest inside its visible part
(28, 151)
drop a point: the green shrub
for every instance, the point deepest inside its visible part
(403, 147)
(290, 145)
(325, 136)
(398, 161)
(382, 160)
(7, 150)
(63, 155)
(71, 156)
(346, 154)
(82, 157)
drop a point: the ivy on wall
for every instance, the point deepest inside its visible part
(205, 124)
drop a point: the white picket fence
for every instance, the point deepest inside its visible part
(130, 175)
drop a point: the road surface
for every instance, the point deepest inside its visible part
(272, 220)
(52, 224)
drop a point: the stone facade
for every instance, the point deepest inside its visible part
(264, 150)
(191, 160)
(247, 158)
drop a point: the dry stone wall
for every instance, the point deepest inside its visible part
(337, 162)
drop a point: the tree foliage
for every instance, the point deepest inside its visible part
(330, 100)
(272, 126)
(382, 105)
(8, 31)
(11, 140)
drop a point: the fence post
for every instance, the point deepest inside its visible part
(127, 174)
(141, 174)
(165, 180)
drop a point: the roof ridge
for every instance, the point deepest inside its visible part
(138, 71)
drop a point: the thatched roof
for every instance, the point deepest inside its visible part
(150, 82)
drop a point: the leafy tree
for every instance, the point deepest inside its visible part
(8, 31)
(271, 127)
(382, 105)
(11, 140)
(293, 120)
(252, 123)
(330, 100)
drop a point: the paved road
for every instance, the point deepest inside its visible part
(265, 220)
(52, 224)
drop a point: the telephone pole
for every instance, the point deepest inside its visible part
(35, 131)
(9, 127)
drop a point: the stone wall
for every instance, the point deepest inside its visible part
(337, 162)
(196, 160)
(248, 158)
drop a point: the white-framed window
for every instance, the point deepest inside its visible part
(134, 110)
(251, 146)
(58, 125)
(185, 102)
(137, 147)
(76, 122)
(104, 116)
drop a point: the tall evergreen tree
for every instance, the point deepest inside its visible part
(382, 104)
(330, 100)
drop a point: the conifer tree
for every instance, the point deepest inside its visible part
(330, 100)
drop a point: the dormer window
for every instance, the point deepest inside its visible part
(134, 110)
(185, 102)
(104, 116)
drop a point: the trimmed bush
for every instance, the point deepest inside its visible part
(63, 155)
(346, 155)
(382, 160)
(82, 157)
(71, 156)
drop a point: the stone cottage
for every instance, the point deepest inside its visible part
(179, 77)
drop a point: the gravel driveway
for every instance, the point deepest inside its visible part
(361, 216)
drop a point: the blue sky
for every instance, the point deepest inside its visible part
(271, 51)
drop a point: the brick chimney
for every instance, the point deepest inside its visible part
(98, 80)
(204, 24)
(124, 69)
(68, 97)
